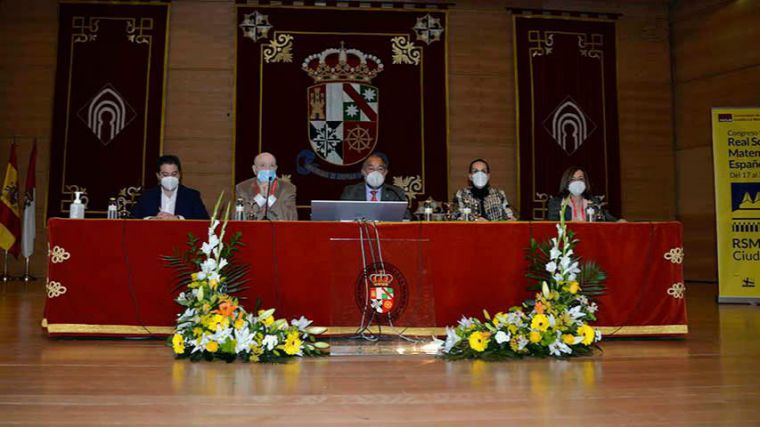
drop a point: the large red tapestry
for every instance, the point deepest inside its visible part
(322, 88)
(567, 106)
(107, 118)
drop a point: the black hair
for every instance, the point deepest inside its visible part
(382, 157)
(168, 159)
(567, 177)
(488, 167)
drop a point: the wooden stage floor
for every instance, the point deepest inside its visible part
(710, 378)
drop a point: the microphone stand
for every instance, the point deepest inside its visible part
(266, 199)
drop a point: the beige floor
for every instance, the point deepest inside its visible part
(710, 378)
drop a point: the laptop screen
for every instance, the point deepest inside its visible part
(350, 210)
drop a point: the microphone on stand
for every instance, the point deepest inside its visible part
(266, 199)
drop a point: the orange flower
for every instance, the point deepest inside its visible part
(226, 309)
(539, 308)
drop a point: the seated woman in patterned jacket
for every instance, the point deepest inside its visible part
(479, 201)
(582, 205)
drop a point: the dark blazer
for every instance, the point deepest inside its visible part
(189, 203)
(555, 204)
(388, 193)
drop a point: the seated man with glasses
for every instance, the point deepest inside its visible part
(169, 199)
(374, 188)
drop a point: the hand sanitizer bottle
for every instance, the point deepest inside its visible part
(76, 209)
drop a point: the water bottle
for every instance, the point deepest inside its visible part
(113, 213)
(427, 211)
(466, 213)
(239, 211)
(76, 209)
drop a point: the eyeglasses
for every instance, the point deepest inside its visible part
(375, 169)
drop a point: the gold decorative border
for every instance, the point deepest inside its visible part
(610, 331)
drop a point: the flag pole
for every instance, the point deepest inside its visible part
(27, 277)
(5, 277)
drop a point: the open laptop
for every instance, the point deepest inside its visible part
(350, 210)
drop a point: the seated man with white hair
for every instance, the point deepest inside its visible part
(265, 196)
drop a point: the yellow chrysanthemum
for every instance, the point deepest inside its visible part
(239, 323)
(194, 276)
(292, 343)
(197, 332)
(178, 344)
(587, 332)
(212, 347)
(213, 283)
(568, 339)
(479, 340)
(534, 336)
(512, 329)
(540, 322)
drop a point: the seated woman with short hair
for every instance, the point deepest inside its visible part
(582, 205)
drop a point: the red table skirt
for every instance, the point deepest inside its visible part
(106, 276)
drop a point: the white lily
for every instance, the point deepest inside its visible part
(465, 322)
(451, 339)
(557, 348)
(223, 263)
(592, 308)
(514, 318)
(551, 267)
(554, 253)
(222, 334)
(521, 343)
(576, 313)
(597, 335)
(208, 266)
(243, 339)
(560, 230)
(301, 323)
(207, 247)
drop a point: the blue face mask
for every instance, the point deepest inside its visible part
(266, 175)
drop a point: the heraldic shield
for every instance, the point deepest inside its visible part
(343, 119)
(342, 104)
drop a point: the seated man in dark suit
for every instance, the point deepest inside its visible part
(170, 199)
(374, 188)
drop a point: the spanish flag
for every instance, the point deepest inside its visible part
(10, 217)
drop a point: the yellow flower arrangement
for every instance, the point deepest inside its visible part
(553, 323)
(214, 326)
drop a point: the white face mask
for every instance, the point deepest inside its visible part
(577, 187)
(479, 179)
(374, 179)
(169, 183)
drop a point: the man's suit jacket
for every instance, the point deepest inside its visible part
(388, 193)
(284, 208)
(188, 204)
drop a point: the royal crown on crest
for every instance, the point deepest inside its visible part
(342, 65)
(380, 279)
